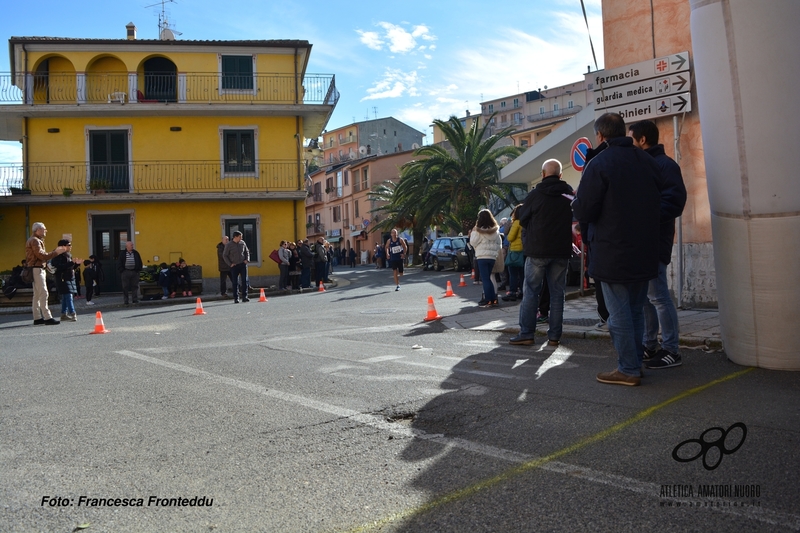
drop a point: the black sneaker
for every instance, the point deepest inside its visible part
(665, 360)
(38, 322)
(649, 354)
(236, 300)
(482, 302)
(51, 322)
(509, 298)
(245, 299)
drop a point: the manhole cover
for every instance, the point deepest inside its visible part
(378, 311)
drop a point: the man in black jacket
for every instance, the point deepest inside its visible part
(659, 307)
(547, 245)
(619, 197)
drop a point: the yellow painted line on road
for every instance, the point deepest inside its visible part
(535, 463)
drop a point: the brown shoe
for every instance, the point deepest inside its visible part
(553, 343)
(618, 378)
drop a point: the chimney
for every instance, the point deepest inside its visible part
(467, 112)
(131, 27)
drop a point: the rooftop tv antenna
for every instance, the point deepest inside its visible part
(165, 31)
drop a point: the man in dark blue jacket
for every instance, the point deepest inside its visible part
(547, 244)
(619, 198)
(659, 307)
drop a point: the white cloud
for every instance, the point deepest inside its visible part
(10, 152)
(371, 39)
(396, 38)
(395, 83)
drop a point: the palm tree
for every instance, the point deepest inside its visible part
(461, 179)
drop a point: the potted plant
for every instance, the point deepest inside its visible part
(19, 190)
(66, 191)
(98, 185)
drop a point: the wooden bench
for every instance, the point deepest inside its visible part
(24, 298)
(151, 290)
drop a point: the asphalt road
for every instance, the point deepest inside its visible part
(344, 411)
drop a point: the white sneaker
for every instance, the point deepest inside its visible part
(89, 303)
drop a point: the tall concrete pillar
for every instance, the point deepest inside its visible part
(747, 69)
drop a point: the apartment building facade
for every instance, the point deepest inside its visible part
(169, 144)
(338, 207)
(368, 138)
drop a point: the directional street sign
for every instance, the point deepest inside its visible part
(578, 153)
(643, 90)
(643, 70)
(650, 109)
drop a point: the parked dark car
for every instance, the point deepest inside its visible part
(449, 252)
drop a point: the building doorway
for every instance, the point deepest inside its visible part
(109, 235)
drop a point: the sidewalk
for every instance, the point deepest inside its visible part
(699, 328)
(113, 300)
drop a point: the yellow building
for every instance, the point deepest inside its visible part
(170, 144)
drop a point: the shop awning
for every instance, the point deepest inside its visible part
(333, 239)
(356, 233)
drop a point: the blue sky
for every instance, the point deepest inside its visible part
(413, 60)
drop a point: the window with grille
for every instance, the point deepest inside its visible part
(239, 150)
(237, 72)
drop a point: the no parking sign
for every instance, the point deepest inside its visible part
(578, 153)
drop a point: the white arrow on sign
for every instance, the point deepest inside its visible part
(642, 90)
(649, 109)
(643, 70)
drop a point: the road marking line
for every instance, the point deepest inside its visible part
(524, 462)
(549, 463)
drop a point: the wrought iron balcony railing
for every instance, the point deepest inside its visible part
(123, 87)
(149, 177)
(317, 228)
(557, 113)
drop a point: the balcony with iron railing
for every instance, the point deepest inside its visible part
(315, 228)
(182, 88)
(314, 198)
(553, 114)
(143, 177)
(334, 192)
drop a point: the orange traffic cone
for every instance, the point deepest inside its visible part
(449, 291)
(199, 308)
(473, 273)
(99, 327)
(262, 298)
(432, 314)
(462, 283)
(321, 287)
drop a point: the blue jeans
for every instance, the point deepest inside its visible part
(536, 269)
(515, 277)
(67, 305)
(659, 309)
(239, 271)
(485, 267)
(626, 323)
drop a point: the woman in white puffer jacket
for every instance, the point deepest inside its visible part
(485, 239)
